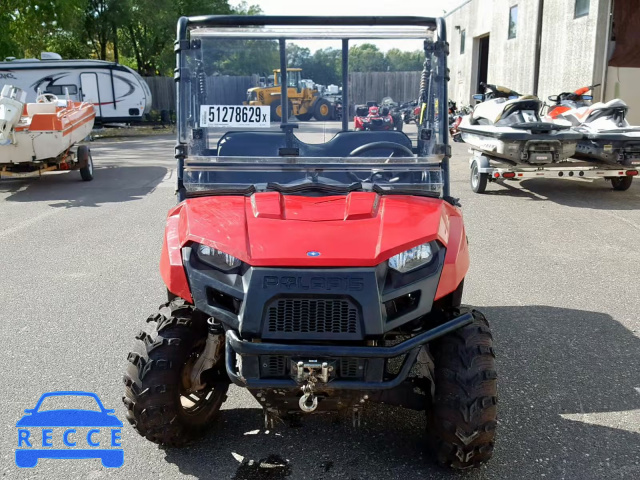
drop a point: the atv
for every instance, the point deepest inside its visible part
(374, 118)
(320, 277)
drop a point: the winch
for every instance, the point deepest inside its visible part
(309, 373)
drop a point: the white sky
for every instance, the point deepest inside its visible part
(426, 8)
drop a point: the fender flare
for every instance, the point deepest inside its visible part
(483, 162)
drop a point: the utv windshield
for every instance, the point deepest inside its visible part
(239, 134)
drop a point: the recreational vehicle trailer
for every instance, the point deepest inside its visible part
(118, 93)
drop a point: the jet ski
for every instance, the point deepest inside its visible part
(607, 135)
(506, 126)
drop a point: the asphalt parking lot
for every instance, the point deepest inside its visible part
(555, 268)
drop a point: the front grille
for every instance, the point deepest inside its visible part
(314, 318)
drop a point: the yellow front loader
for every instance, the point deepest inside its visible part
(304, 102)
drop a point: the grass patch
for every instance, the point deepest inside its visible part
(133, 131)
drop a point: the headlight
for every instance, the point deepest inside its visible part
(412, 258)
(216, 258)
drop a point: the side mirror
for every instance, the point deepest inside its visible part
(479, 97)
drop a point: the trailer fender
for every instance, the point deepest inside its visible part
(483, 163)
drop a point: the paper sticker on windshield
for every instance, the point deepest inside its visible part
(234, 116)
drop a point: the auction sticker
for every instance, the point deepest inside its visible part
(235, 116)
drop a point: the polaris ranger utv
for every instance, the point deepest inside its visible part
(321, 277)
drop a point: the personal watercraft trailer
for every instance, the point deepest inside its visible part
(319, 276)
(509, 141)
(485, 169)
(39, 137)
(118, 93)
(507, 126)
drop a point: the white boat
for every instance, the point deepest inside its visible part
(38, 137)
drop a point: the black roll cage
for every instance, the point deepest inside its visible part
(431, 120)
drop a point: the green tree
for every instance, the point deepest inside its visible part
(102, 19)
(8, 46)
(149, 32)
(297, 56)
(32, 25)
(366, 58)
(325, 66)
(242, 57)
(401, 61)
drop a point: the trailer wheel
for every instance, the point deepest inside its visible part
(322, 110)
(621, 183)
(478, 180)
(86, 162)
(462, 417)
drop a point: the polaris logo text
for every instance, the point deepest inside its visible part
(327, 284)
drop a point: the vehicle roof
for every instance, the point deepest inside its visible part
(36, 64)
(310, 27)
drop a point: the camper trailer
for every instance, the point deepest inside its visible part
(118, 93)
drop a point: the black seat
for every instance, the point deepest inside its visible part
(268, 144)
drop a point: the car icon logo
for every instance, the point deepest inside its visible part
(66, 433)
(313, 254)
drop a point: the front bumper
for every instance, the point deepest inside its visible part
(251, 353)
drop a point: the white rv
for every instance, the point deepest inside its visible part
(118, 93)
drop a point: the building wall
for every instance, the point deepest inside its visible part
(510, 60)
(569, 49)
(623, 83)
(475, 17)
(570, 56)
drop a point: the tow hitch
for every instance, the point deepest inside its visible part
(310, 373)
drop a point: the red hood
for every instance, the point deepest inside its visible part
(270, 229)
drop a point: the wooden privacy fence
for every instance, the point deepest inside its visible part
(374, 86)
(221, 90)
(232, 90)
(163, 92)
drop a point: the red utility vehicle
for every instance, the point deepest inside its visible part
(320, 277)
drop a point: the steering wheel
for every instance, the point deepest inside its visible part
(396, 147)
(46, 98)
